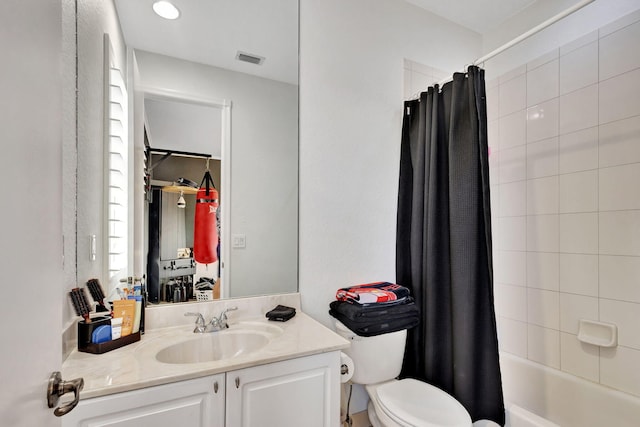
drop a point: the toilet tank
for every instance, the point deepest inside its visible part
(376, 359)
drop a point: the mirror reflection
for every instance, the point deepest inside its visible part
(170, 222)
(237, 62)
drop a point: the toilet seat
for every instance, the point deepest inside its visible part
(413, 403)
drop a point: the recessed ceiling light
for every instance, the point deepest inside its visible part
(166, 10)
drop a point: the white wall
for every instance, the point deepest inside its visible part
(539, 11)
(565, 165)
(351, 96)
(352, 72)
(94, 19)
(69, 151)
(264, 165)
(418, 77)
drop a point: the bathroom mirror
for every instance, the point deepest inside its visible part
(158, 57)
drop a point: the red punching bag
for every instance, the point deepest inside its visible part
(205, 228)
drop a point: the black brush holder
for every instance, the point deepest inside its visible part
(85, 331)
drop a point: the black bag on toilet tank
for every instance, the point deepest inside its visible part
(376, 319)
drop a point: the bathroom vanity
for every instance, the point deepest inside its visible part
(289, 393)
(256, 373)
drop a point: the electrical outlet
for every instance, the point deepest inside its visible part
(238, 241)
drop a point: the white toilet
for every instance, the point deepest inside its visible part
(408, 403)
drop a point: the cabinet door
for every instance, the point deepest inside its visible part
(292, 393)
(191, 403)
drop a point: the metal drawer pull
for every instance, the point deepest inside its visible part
(57, 387)
(215, 387)
(237, 382)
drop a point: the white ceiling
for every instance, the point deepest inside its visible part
(213, 31)
(480, 16)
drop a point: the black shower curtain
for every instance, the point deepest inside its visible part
(443, 244)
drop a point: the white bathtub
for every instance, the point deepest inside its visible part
(538, 396)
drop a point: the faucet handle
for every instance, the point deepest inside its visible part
(200, 318)
(222, 319)
(199, 321)
(230, 309)
(224, 313)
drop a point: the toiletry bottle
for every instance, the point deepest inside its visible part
(137, 313)
(143, 286)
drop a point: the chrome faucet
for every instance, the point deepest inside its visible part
(200, 326)
(217, 323)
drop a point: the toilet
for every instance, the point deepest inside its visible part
(398, 403)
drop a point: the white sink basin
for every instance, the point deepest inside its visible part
(209, 347)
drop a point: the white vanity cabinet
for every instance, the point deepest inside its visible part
(191, 403)
(303, 391)
(293, 393)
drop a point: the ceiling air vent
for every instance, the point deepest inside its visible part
(247, 57)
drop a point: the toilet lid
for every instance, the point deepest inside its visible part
(411, 402)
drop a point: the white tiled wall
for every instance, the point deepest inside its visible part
(564, 132)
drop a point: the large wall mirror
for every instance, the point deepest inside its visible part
(215, 89)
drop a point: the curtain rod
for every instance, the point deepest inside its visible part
(527, 34)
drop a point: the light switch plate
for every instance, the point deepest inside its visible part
(93, 247)
(238, 241)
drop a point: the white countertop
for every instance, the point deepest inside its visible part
(135, 365)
